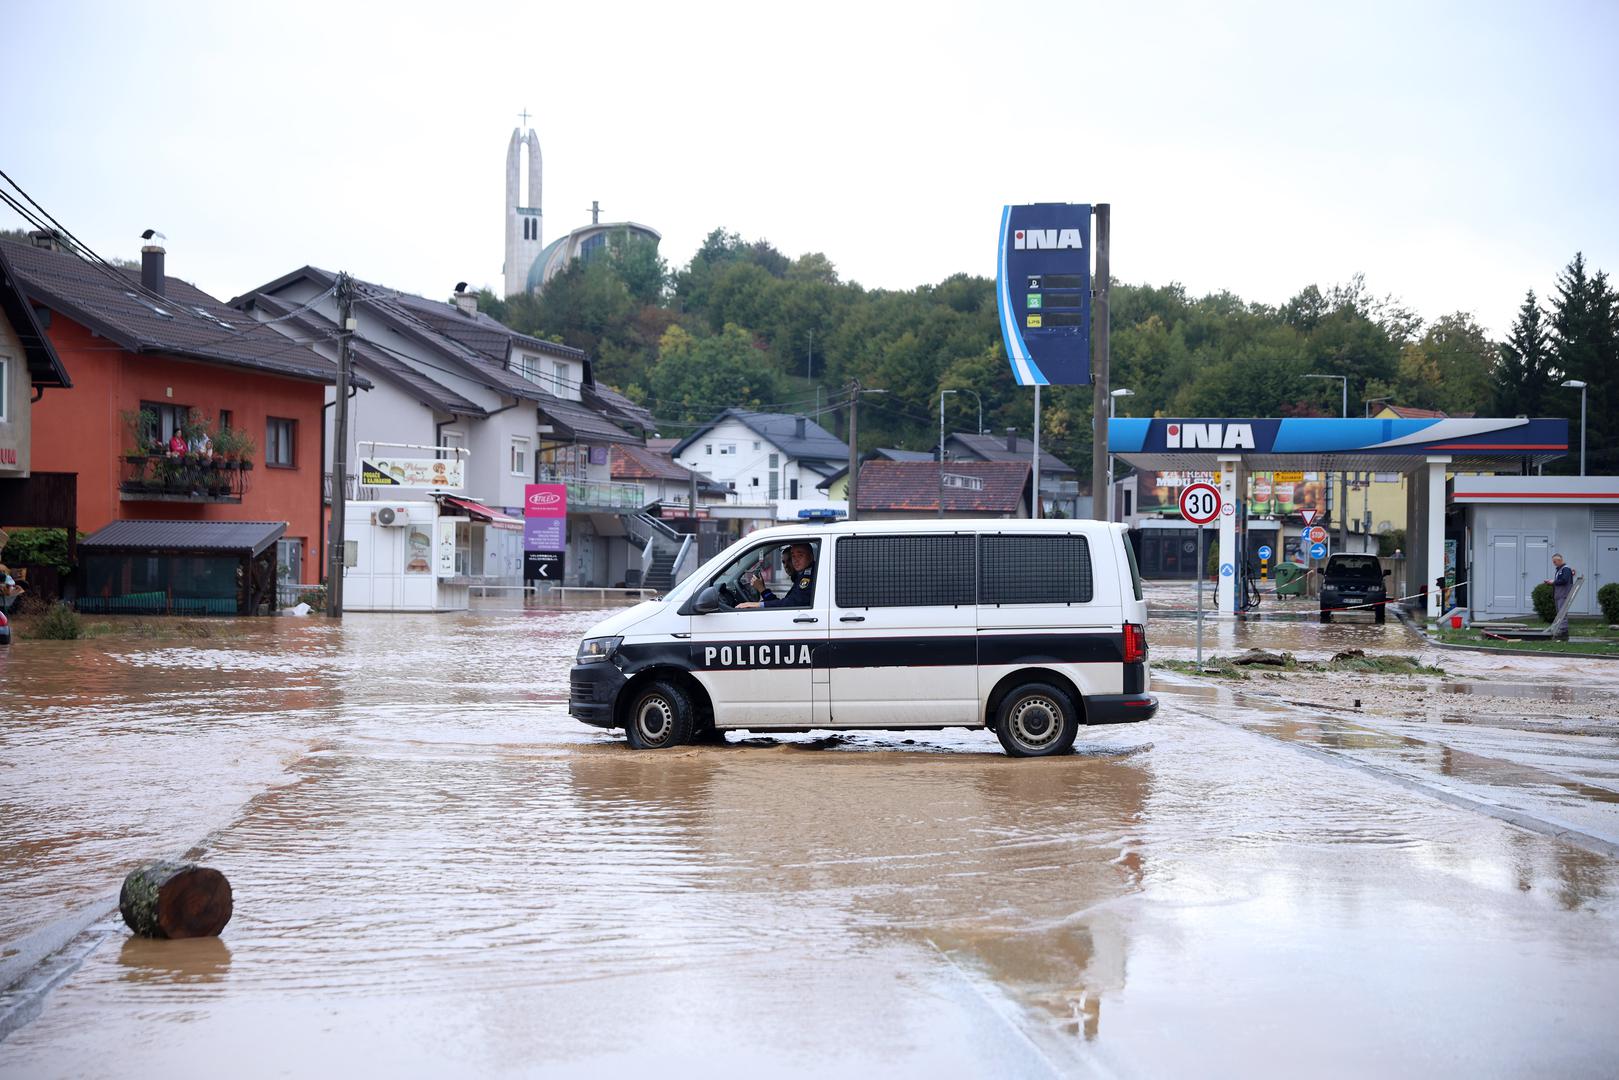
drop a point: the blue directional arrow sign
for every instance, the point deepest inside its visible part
(1318, 551)
(1264, 551)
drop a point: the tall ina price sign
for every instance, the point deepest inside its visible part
(1043, 292)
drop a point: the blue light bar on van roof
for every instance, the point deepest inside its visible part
(821, 513)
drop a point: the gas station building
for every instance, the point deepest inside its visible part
(1426, 451)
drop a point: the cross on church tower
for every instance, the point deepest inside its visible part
(524, 116)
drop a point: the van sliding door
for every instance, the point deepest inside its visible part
(904, 648)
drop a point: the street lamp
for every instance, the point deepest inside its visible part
(1112, 411)
(980, 401)
(1343, 379)
(1577, 384)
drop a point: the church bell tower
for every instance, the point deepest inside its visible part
(523, 240)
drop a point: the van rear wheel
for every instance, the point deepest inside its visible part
(660, 716)
(1037, 720)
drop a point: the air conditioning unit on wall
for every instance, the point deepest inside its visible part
(391, 516)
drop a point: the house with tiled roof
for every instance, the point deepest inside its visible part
(763, 456)
(1061, 488)
(183, 410)
(890, 490)
(29, 366)
(1390, 411)
(450, 380)
(836, 486)
(665, 482)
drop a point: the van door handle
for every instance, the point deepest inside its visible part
(853, 618)
(810, 619)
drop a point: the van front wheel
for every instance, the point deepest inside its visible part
(1037, 720)
(660, 716)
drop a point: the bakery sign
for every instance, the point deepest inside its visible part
(412, 473)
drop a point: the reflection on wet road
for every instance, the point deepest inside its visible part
(436, 870)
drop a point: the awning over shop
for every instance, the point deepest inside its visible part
(482, 513)
(241, 538)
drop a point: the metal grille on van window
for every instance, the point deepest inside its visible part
(904, 571)
(1606, 519)
(1035, 570)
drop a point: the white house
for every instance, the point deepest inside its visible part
(765, 457)
(446, 375)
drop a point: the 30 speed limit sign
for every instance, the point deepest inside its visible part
(1200, 503)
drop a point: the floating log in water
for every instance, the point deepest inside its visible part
(175, 900)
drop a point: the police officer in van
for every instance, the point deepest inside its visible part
(800, 564)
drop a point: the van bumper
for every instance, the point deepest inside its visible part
(593, 692)
(1119, 708)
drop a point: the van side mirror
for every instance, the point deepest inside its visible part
(707, 601)
(1386, 573)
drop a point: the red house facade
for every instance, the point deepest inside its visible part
(183, 410)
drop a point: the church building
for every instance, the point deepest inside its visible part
(530, 263)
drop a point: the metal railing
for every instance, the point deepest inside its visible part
(352, 491)
(594, 495)
(182, 478)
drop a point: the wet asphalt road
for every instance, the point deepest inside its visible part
(436, 870)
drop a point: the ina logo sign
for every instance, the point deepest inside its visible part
(1183, 436)
(1047, 239)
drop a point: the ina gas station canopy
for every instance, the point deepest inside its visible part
(1236, 447)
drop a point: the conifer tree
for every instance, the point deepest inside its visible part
(1524, 370)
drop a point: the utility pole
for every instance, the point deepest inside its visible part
(854, 450)
(1034, 507)
(340, 444)
(1101, 494)
(942, 393)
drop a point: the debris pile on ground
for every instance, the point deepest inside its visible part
(1355, 660)
(1266, 659)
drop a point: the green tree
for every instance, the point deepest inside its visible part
(696, 377)
(1585, 345)
(1524, 364)
(1450, 369)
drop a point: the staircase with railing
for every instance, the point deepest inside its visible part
(666, 555)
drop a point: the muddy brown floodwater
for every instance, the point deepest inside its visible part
(437, 872)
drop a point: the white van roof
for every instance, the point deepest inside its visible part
(934, 525)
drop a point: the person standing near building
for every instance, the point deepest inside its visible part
(1562, 584)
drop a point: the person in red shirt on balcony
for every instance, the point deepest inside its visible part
(177, 444)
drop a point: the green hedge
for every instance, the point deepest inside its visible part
(1545, 606)
(38, 547)
(1608, 599)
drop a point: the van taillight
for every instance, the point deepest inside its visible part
(1135, 643)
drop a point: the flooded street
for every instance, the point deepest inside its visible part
(437, 871)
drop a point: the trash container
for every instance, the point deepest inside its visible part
(1290, 578)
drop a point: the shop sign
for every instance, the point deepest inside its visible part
(444, 547)
(412, 472)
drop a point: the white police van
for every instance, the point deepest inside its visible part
(1030, 628)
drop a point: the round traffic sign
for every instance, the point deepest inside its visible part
(1318, 551)
(1200, 503)
(1318, 535)
(1264, 551)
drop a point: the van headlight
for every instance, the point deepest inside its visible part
(595, 649)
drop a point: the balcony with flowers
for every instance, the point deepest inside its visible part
(194, 465)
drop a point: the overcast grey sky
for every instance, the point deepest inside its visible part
(1457, 153)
